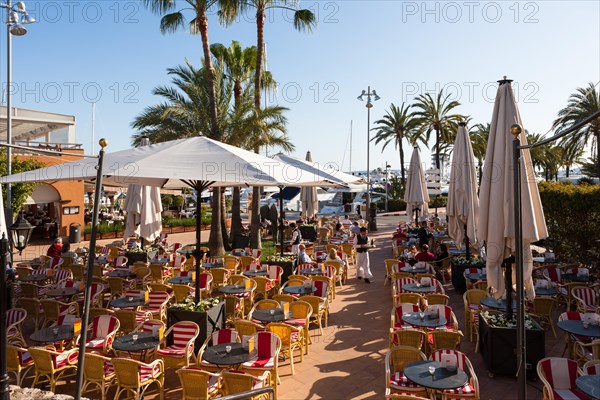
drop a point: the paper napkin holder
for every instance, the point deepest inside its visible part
(448, 361)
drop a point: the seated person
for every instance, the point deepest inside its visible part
(66, 251)
(303, 258)
(355, 229)
(333, 256)
(55, 250)
(412, 251)
(425, 255)
(339, 230)
(442, 252)
(346, 221)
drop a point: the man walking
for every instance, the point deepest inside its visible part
(361, 244)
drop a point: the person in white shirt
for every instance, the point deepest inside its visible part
(346, 221)
(363, 267)
(296, 238)
(303, 258)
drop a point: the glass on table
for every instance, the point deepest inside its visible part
(431, 371)
(135, 338)
(227, 349)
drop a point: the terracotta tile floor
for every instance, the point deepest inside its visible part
(347, 361)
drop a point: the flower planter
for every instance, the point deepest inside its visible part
(133, 257)
(498, 346)
(209, 321)
(458, 279)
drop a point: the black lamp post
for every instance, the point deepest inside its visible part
(20, 232)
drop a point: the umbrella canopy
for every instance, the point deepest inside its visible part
(496, 218)
(308, 196)
(144, 208)
(463, 204)
(416, 195)
(328, 172)
(176, 164)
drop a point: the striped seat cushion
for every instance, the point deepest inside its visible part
(296, 321)
(566, 394)
(108, 368)
(467, 389)
(260, 363)
(147, 373)
(95, 343)
(173, 351)
(400, 381)
(62, 360)
(25, 358)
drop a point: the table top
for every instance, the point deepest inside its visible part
(430, 320)
(576, 327)
(34, 278)
(47, 335)
(311, 271)
(69, 291)
(233, 289)
(159, 261)
(538, 259)
(590, 385)
(213, 265)
(180, 280)
(545, 291)
(577, 278)
(299, 289)
(186, 251)
(418, 372)
(266, 316)
(456, 251)
(145, 341)
(262, 272)
(125, 302)
(495, 304)
(218, 355)
(418, 288)
(33, 264)
(476, 277)
(240, 253)
(121, 273)
(414, 270)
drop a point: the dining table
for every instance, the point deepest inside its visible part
(137, 342)
(299, 290)
(128, 302)
(414, 270)
(234, 289)
(66, 292)
(424, 319)
(121, 273)
(180, 280)
(590, 385)
(270, 315)
(578, 327)
(226, 355)
(496, 304)
(441, 378)
(311, 271)
(35, 278)
(260, 272)
(53, 334)
(419, 288)
(212, 265)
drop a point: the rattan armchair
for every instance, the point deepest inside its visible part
(197, 384)
(179, 354)
(98, 373)
(53, 366)
(238, 382)
(291, 339)
(136, 377)
(395, 361)
(18, 362)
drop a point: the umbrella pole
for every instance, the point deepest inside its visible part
(87, 294)
(467, 244)
(198, 238)
(521, 350)
(508, 284)
(281, 219)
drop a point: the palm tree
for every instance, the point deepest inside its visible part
(434, 115)
(171, 21)
(570, 155)
(539, 155)
(304, 20)
(582, 104)
(397, 124)
(479, 138)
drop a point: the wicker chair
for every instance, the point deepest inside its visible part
(246, 328)
(234, 309)
(471, 389)
(18, 362)
(444, 339)
(395, 360)
(103, 330)
(408, 337)
(284, 297)
(542, 311)
(471, 302)
(99, 373)
(409, 298)
(33, 308)
(54, 309)
(436, 298)
(136, 377)
(53, 366)
(181, 351)
(14, 320)
(291, 339)
(320, 308)
(237, 382)
(301, 312)
(198, 384)
(267, 346)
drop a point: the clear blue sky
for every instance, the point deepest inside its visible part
(112, 52)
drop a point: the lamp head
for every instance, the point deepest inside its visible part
(17, 29)
(20, 6)
(28, 19)
(376, 96)
(516, 130)
(369, 104)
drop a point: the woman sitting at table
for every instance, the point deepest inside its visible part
(66, 251)
(55, 250)
(425, 255)
(339, 230)
(442, 253)
(333, 256)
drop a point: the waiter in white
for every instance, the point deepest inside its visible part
(361, 244)
(296, 238)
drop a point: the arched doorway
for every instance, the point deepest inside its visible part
(42, 210)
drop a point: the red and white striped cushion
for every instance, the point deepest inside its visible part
(553, 274)
(120, 262)
(63, 359)
(148, 372)
(176, 246)
(561, 374)
(149, 324)
(25, 358)
(275, 272)
(104, 325)
(178, 261)
(203, 280)
(401, 282)
(322, 289)
(13, 316)
(266, 346)
(461, 358)
(108, 368)
(184, 332)
(173, 351)
(157, 299)
(224, 336)
(62, 275)
(399, 381)
(256, 253)
(446, 313)
(586, 294)
(97, 343)
(403, 309)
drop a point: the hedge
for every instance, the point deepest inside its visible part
(573, 218)
(400, 205)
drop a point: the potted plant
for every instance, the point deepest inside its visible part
(208, 314)
(498, 343)
(137, 254)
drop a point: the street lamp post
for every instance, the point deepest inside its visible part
(369, 94)
(387, 182)
(13, 27)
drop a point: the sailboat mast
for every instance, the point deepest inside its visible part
(350, 146)
(93, 126)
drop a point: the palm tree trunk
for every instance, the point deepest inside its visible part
(567, 171)
(597, 134)
(215, 241)
(224, 232)
(402, 170)
(236, 212)
(437, 150)
(255, 240)
(480, 165)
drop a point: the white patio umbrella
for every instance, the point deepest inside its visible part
(327, 172)
(463, 205)
(3, 227)
(416, 195)
(496, 197)
(144, 210)
(308, 197)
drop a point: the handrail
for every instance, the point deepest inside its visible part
(563, 133)
(249, 394)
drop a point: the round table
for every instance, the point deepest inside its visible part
(495, 304)
(412, 270)
(34, 278)
(127, 302)
(576, 327)
(240, 253)
(300, 290)
(442, 379)
(33, 264)
(180, 280)
(590, 385)
(430, 320)
(186, 251)
(213, 265)
(577, 278)
(234, 289)
(145, 341)
(218, 354)
(262, 272)
(311, 271)
(540, 291)
(418, 288)
(456, 252)
(159, 261)
(47, 335)
(476, 277)
(63, 292)
(266, 316)
(121, 273)
(101, 260)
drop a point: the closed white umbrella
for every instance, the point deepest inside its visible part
(144, 210)
(416, 195)
(463, 205)
(496, 196)
(3, 228)
(308, 197)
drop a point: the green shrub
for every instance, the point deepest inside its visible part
(105, 227)
(573, 216)
(396, 205)
(438, 201)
